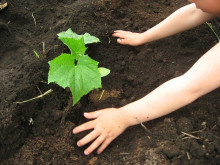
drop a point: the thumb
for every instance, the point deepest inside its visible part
(92, 115)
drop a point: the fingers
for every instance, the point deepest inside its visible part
(94, 145)
(123, 37)
(119, 31)
(120, 34)
(84, 127)
(92, 115)
(122, 41)
(104, 145)
(88, 138)
(88, 125)
(116, 31)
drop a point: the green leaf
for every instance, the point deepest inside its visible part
(61, 70)
(76, 46)
(69, 34)
(88, 39)
(104, 71)
(81, 79)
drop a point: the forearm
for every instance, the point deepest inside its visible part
(163, 100)
(203, 77)
(183, 19)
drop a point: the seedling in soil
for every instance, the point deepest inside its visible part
(76, 70)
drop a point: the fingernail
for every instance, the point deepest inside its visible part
(78, 144)
(86, 152)
(86, 113)
(74, 132)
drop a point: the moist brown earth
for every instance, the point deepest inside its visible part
(190, 135)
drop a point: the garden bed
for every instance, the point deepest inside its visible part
(135, 71)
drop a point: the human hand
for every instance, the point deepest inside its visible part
(129, 38)
(107, 124)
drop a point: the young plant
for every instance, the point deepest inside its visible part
(76, 70)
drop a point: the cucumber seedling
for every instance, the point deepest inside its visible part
(76, 70)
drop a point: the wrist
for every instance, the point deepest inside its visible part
(123, 117)
(126, 117)
(147, 36)
(143, 39)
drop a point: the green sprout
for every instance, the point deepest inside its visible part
(76, 70)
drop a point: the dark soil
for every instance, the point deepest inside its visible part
(135, 71)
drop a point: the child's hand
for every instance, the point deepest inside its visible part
(128, 38)
(107, 125)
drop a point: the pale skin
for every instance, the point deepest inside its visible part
(202, 78)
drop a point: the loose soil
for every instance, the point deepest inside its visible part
(190, 135)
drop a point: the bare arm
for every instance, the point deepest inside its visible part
(183, 19)
(202, 78)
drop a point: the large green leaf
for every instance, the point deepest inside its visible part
(76, 46)
(81, 79)
(61, 70)
(88, 39)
